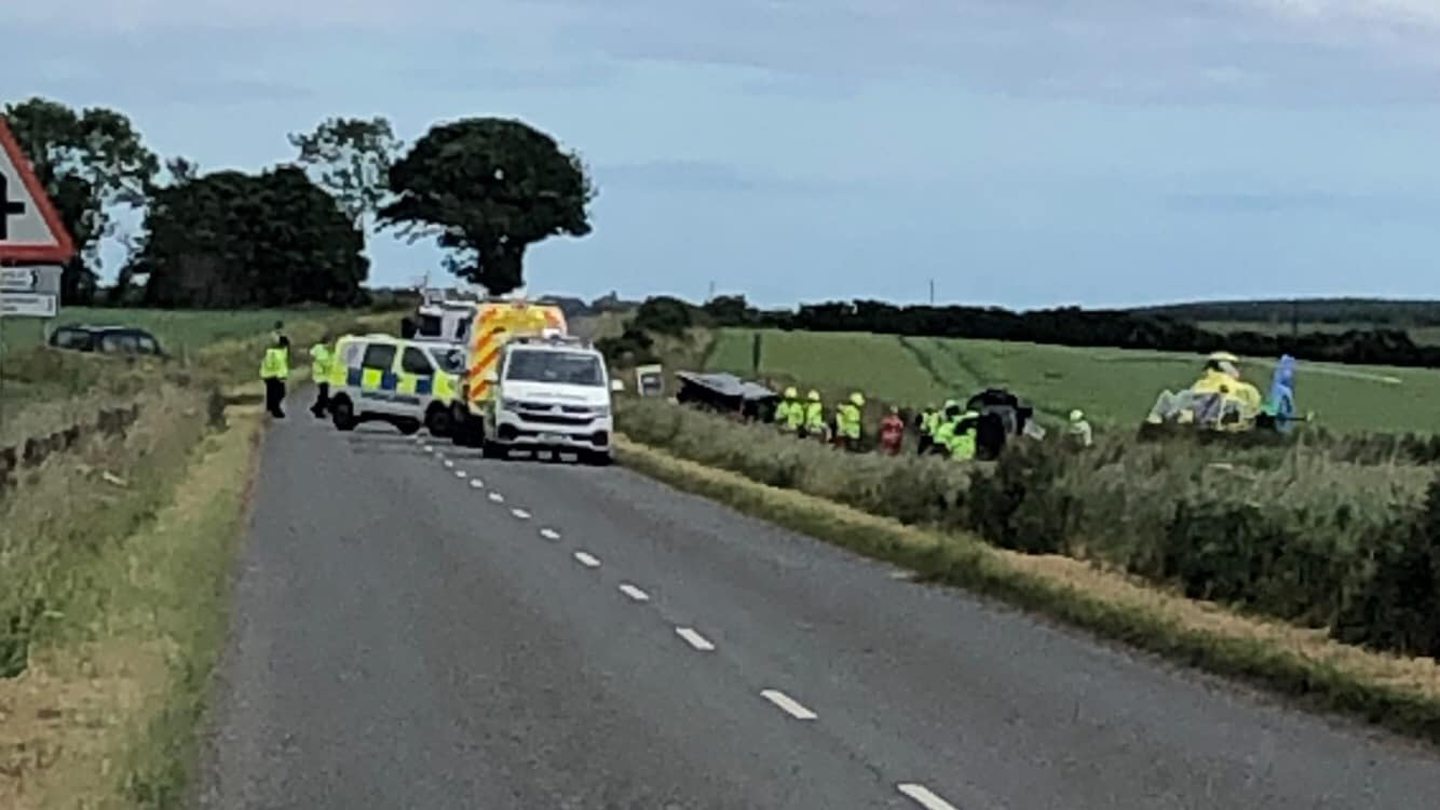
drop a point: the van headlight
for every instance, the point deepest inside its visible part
(600, 411)
(511, 405)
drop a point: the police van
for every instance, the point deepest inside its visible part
(406, 383)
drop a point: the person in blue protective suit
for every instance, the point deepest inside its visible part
(1280, 402)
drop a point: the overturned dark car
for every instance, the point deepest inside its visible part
(726, 393)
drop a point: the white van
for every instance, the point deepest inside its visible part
(551, 394)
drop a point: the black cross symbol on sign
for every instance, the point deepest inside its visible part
(8, 207)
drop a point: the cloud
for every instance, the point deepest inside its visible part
(1384, 12)
(1128, 51)
(1263, 52)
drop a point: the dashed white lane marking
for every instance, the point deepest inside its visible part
(788, 704)
(634, 593)
(586, 560)
(550, 534)
(520, 514)
(429, 448)
(694, 639)
(476, 483)
(449, 463)
(461, 474)
(924, 797)
(497, 497)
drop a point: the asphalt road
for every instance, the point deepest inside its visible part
(417, 628)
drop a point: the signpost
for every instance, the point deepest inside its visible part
(30, 229)
(29, 305)
(31, 234)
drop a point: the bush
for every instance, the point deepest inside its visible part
(632, 347)
(1399, 607)
(1294, 531)
(1018, 505)
(912, 490)
(664, 315)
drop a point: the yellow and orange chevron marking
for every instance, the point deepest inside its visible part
(494, 324)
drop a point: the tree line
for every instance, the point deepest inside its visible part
(485, 189)
(1375, 311)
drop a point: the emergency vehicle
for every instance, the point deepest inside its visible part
(495, 323)
(550, 393)
(445, 319)
(406, 383)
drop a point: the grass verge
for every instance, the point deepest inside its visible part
(114, 563)
(1401, 694)
(106, 713)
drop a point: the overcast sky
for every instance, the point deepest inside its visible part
(1019, 152)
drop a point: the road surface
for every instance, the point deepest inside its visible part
(415, 627)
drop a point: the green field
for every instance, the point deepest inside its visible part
(1113, 386)
(175, 329)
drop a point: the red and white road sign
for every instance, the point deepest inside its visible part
(30, 230)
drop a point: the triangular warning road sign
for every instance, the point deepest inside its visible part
(30, 230)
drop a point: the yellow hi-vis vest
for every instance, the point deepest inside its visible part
(961, 443)
(814, 417)
(320, 360)
(847, 421)
(275, 365)
(930, 423)
(791, 415)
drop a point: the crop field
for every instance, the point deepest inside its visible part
(1115, 387)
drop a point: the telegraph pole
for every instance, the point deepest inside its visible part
(932, 292)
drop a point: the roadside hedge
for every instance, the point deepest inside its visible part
(1327, 534)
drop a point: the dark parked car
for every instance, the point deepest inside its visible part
(106, 340)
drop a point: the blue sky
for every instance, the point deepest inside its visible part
(1018, 152)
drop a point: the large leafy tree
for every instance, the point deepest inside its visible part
(351, 159)
(489, 188)
(89, 162)
(230, 239)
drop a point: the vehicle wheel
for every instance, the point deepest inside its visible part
(342, 414)
(489, 449)
(409, 427)
(439, 423)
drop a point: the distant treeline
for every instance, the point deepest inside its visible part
(1371, 311)
(1069, 326)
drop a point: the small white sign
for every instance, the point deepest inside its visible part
(28, 305)
(41, 279)
(17, 279)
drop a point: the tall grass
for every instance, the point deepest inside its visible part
(1299, 531)
(70, 509)
(114, 558)
(912, 489)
